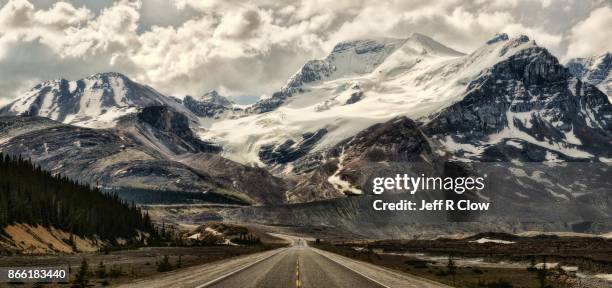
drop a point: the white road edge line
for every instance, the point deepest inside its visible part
(367, 277)
(238, 270)
(387, 270)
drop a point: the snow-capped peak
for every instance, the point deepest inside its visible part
(103, 75)
(214, 97)
(359, 58)
(95, 101)
(426, 45)
(209, 105)
(348, 58)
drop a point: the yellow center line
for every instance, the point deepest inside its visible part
(297, 273)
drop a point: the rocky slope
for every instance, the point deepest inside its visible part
(526, 103)
(594, 70)
(165, 130)
(127, 158)
(395, 147)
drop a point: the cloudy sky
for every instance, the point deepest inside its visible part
(249, 48)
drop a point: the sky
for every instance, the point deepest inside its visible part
(249, 49)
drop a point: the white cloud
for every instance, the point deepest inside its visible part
(251, 48)
(62, 15)
(16, 14)
(593, 35)
(114, 30)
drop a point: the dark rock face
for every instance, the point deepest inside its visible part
(313, 70)
(269, 104)
(210, 105)
(398, 139)
(289, 150)
(355, 97)
(202, 109)
(167, 127)
(594, 70)
(498, 38)
(164, 119)
(531, 94)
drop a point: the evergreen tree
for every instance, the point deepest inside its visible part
(451, 267)
(82, 275)
(31, 195)
(179, 262)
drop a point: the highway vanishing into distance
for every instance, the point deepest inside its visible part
(298, 265)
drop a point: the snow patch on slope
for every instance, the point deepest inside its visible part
(338, 183)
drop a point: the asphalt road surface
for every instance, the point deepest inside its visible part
(296, 266)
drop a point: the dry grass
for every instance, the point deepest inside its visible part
(29, 239)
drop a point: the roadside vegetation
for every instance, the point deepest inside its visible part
(530, 262)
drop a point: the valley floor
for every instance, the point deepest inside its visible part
(485, 266)
(131, 264)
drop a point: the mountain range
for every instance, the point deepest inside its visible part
(371, 107)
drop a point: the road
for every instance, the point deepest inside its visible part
(296, 266)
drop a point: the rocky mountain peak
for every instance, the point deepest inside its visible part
(354, 58)
(498, 38)
(214, 97)
(530, 97)
(95, 101)
(210, 105)
(106, 75)
(594, 70)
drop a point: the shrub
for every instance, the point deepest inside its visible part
(164, 265)
(80, 279)
(115, 271)
(101, 270)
